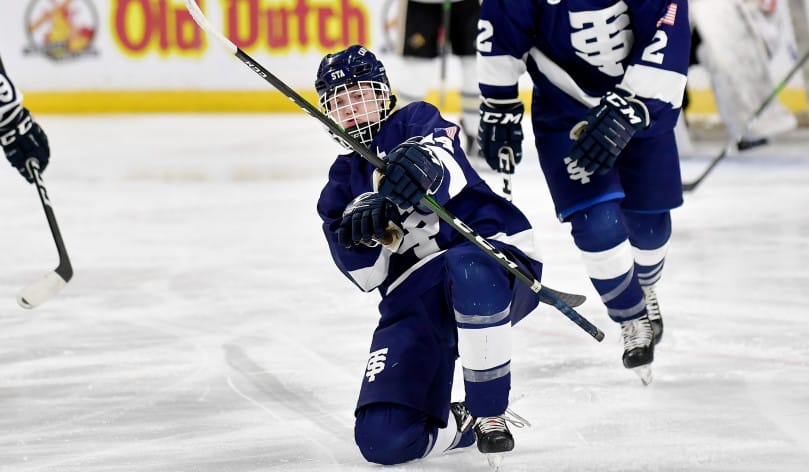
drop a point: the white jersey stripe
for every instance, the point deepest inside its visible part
(654, 83)
(561, 79)
(500, 71)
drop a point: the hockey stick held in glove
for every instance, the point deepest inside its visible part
(689, 186)
(561, 300)
(47, 287)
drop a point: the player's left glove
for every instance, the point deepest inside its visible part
(370, 219)
(413, 171)
(22, 139)
(606, 129)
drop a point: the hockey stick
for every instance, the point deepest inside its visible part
(505, 160)
(561, 300)
(51, 283)
(442, 85)
(731, 143)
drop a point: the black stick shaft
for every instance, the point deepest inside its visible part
(65, 269)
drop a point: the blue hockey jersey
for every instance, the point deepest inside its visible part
(577, 50)
(462, 192)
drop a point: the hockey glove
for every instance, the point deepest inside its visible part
(606, 129)
(22, 139)
(413, 171)
(500, 127)
(370, 219)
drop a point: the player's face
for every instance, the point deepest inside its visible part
(354, 106)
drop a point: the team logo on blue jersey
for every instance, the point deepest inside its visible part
(575, 172)
(603, 38)
(376, 363)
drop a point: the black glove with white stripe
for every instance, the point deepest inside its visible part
(22, 139)
(500, 127)
(370, 219)
(413, 171)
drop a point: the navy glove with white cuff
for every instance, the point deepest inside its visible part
(22, 139)
(606, 130)
(413, 171)
(370, 219)
(500, 127)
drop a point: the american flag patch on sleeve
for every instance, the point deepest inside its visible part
(450, 132)
(669, 17)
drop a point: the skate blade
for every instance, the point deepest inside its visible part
(644, 372)
(495, 459)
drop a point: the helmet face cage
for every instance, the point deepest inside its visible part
(359, 108)
(354, 91)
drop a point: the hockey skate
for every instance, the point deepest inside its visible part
(653, 310)
(494, 439)
(638, 347)
(463, 421)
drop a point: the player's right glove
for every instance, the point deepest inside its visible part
(500, 126)
(370, 219)
(413, 171)
(606, 130)
(22, 139)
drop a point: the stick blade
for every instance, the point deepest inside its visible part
(572, 299)
(41, 290)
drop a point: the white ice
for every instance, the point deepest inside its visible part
(206, 328)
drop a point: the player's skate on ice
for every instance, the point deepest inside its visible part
(491, 434)
(653, 310)
(493, 439)
(639, 347)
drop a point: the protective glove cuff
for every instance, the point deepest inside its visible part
(631, 107)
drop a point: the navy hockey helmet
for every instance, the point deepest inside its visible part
(348, 67)
(369, 103)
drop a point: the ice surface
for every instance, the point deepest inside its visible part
(206, 328)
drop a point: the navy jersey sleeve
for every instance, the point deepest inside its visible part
(658, 66)
(366, 267)
(504, 39)
(10, 98)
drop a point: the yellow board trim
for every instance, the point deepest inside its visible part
(161, 101)
(270, 101)
(702, 101)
